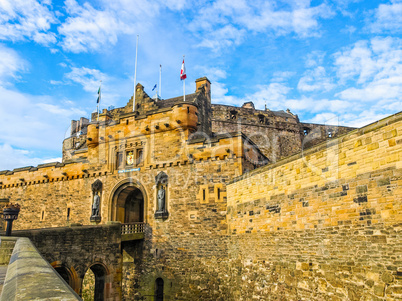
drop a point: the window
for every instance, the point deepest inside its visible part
(219, 193)
(203, 194)
(119, 160)
(261, 119)
(130, 158)
(68, 214)
(139, 156)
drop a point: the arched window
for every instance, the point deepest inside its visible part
(159, 289)
(233, 115)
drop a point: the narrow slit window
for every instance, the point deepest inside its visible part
(219, 193)
(68, 213)
(139, 156)
(119, 160)
(203, 194)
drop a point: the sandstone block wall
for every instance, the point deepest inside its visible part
(324, 224)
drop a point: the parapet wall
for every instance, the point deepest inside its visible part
(340, 182)
(325, 223)
(76, 249)
(30, 277)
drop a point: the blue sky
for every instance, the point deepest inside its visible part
(324, 60)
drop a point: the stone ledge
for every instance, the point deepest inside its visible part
(30, 277)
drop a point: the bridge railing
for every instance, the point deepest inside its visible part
(132, 228)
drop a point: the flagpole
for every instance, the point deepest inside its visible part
(184, 87)
(100, 94)
(135, 72)
(100, 97)
(160, 81)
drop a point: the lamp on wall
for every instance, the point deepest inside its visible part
(10, 213)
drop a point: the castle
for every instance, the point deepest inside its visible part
(237, 203)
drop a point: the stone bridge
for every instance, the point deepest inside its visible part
(73, 250)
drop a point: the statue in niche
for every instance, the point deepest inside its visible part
(161, 199)
(95, 205)
(161, 181)
(97, 193)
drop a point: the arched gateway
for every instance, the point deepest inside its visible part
(128, 202)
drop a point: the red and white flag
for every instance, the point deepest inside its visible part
(183, 71)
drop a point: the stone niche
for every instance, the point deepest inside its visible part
(161, 184)
(97, 201)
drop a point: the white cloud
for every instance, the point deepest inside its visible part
(212, 73)
(278, 17)
(58, 110)
(26, 19)
(38, 122)
(89, 79)
(373, 92)
(112, 88)
(55, 82)
(315, 59)
(315, 80)
(223, 37)
(280, 76)
(174, 4)
(387, 18)
(325, 118)
(219, 94)
(90, 29)
(376, 66)
(10, 64)
(356, 61)
(11, 158)
(273, 94)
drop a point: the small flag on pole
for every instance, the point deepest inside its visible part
(154, 87)
(183, 71)
(99, 91)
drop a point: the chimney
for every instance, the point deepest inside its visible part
(203, 81)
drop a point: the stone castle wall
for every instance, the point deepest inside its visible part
(61, 201)
(276, 135)
(325, 223)
(330, 232)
